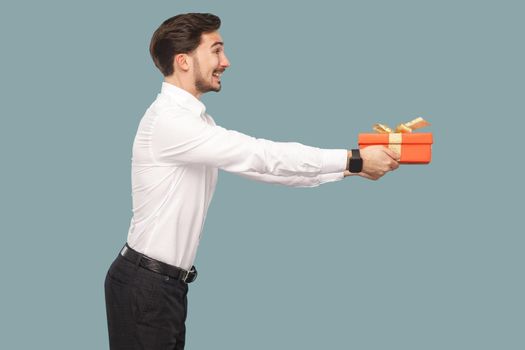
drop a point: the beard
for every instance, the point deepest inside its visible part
(202, 85)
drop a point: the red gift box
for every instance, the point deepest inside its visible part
(414, 148)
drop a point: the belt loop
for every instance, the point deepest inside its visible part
(139, 257)
(137, 263)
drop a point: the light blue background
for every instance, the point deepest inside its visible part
(429, 257)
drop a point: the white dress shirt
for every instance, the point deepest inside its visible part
(177, 152)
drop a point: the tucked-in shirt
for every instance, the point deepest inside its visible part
(177, 152)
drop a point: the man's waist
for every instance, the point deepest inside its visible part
(157, 266)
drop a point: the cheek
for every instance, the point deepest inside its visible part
(216, 61)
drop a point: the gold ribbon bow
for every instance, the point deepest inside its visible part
(394, 137)
(417, 123)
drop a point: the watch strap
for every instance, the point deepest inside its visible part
(355, 163)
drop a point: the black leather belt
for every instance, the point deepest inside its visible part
(158, 266)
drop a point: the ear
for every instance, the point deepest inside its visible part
(180, 61)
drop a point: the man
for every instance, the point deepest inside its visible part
(177, 152)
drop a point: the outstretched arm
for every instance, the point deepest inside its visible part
(179, 138)
(294, 180)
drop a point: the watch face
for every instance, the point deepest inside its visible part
(356, 165)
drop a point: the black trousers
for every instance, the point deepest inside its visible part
(145, 310)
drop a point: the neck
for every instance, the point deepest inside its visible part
(183, 84)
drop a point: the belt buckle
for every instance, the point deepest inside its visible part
(191, 274)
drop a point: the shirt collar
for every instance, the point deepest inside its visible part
(183, 97)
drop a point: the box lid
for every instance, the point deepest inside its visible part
(385, 139)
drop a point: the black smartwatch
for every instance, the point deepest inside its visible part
(355, 163)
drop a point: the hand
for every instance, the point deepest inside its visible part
(377, 161)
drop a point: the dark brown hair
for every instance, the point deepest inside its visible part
(180, 34)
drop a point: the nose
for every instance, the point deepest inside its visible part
(225, 62)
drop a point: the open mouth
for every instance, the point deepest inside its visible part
(217, 75)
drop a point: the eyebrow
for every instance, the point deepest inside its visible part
(217, 43)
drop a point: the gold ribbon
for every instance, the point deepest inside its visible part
(394, 142)
(395, 137)
(417, 123)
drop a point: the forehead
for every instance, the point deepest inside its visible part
(208, 39)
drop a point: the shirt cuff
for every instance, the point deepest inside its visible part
(334, 160)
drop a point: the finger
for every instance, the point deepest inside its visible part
(392, 154)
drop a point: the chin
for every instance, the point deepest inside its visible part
(216, 88)
(207, 88)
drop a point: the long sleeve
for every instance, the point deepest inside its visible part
(176, 154)
(294, 180)
(183, 138)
